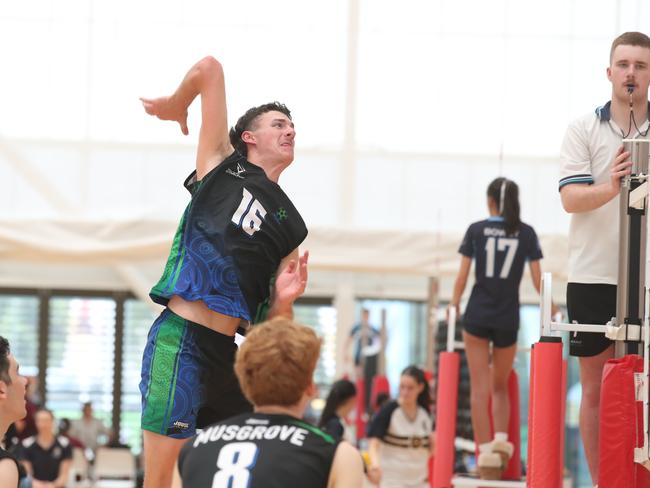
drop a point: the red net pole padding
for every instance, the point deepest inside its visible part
(546, 424)
(642, 474)
(531, 400)
(565, 370)
(513, 470)
(360, 420)
(446, 411)
(620, 424)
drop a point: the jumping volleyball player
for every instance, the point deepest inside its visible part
(234, 261)
(501, 245)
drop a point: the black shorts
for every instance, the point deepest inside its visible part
(500, 337)
(590, 303)
(188, 380)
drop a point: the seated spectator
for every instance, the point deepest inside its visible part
(64, 430)
(47, 457)
(25, 427)
(271, 447)
(12, 409)
(89, 430)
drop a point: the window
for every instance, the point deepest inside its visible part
(322, 317)
(405, 327)
(138, 317)
(19, 325)
(80, 350)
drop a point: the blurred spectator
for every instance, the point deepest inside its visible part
(26, 427)
(89, 430)
(341, 400)
(64, 430)
(47, 457)
(366, 341)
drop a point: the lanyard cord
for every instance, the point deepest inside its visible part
(632, 121)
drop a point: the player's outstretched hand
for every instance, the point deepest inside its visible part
(167, 108)
(292, 281)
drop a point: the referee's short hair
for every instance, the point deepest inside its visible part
(629, 39)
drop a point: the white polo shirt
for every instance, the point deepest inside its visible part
(589, 147)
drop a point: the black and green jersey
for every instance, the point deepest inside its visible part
(233, 234)
(256, 450)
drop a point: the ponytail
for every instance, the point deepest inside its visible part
(505, 194)
(341, 391)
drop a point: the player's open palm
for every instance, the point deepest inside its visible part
(167, 108)
(292, 280)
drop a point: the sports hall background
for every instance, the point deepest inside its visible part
(405, 111)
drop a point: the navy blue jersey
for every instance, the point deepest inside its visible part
(499, 265)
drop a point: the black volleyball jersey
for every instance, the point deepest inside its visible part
(256, 450)
(19, 467)
(499, 265)
(232, 237)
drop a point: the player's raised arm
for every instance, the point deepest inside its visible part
(205, 78)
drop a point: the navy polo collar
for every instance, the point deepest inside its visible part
(604, 113)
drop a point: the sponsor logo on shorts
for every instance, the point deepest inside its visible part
(181, 425)
(178, 427)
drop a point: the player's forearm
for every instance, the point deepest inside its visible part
(373, 451)
(62, 479)
(459, 288)
(584, 198)
(196, 81)
(536, 275)
(60, 482)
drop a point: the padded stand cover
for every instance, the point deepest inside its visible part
(621, 426)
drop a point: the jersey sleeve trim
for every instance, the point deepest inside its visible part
(573, 179)
(315, 430)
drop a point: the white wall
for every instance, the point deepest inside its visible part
(444, 96)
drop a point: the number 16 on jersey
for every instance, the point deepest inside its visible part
(249, 214)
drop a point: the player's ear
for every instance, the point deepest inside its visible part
(248, 137)
(312, 390)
